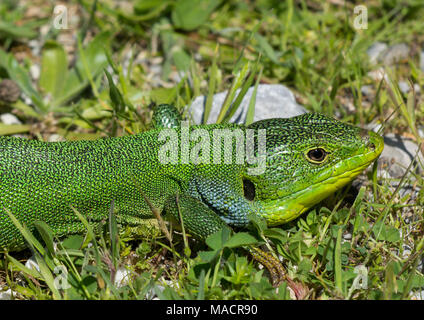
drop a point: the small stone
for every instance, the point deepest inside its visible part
(177, 77)
(349, 105)
(152, 293)
(373, 126)
(375, 51)
(421, 131)
(272, 101)
(44, 29)
(27, 100)
(31, 263)
(9, 91)
(380, 52)
(122, 277)
(378, 75)
(377, 127)
(404, 86)
(397, 155)
(396, 53)
(347, 236)
(6, 295)
(35, 46)
(156, 69)
(34, 70)
(406, 252)
(418, 295)
(8, 118)
(367, 90)
(383, 173)
(55, 138)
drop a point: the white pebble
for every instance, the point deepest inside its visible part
(35, 71)
(6, 295)
(404, 86)
(32, 264)
(347, 236)
(8, 118)
(376, 50)
(121, 277)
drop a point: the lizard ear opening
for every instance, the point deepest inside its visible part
(249, 189)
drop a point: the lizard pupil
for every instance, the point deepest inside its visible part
(317, 155)
(249, 189)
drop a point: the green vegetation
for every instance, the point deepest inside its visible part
(98, 77)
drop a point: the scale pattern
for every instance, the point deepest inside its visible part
(44, 181)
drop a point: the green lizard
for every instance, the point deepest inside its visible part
(307, 158)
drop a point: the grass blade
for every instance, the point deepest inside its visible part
(237, 83)
(338, 261)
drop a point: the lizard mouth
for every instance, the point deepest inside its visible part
(280, 211)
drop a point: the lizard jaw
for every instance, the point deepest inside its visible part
(280, 211)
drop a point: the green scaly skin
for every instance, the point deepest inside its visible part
(44, 181)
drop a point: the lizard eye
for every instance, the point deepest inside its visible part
(249, 189)
(317, 155)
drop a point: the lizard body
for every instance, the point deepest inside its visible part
(307, 158)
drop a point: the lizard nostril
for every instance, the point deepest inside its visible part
(249, 189)
(372, 146)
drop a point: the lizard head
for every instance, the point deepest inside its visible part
(308, 157)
